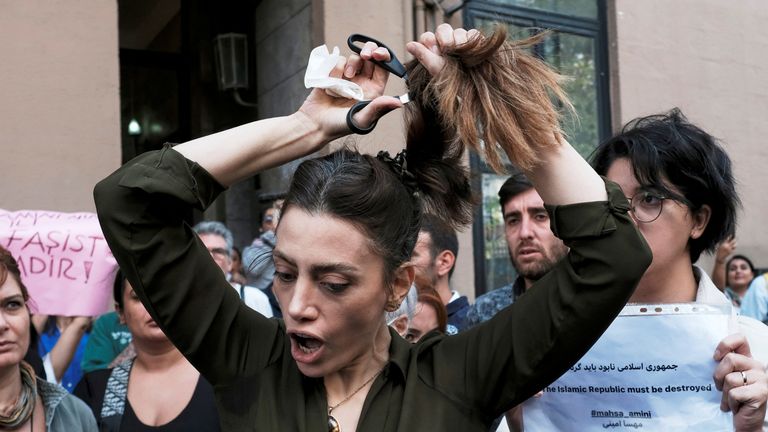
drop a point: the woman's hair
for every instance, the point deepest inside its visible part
(9, 267)
(666, 149)
(492, 94)
(364, 191)
(728, 266)
(118, 288)
(431, 299)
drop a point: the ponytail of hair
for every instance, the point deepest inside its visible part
(492, 96)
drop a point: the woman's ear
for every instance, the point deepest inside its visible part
(700, 221)
(402, 283)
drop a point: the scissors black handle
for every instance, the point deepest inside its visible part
(352, 125)
(393, 65)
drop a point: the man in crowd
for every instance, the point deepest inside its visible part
(257, 257)
(434, 257)
(533, 248)
(219, 241)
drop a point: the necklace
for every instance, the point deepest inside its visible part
(27, 400)
(333, 424)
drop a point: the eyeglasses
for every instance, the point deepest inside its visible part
(646, 206)
(219, 253)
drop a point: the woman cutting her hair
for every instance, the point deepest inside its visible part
(346, 232)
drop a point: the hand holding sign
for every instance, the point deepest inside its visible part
(743, 382)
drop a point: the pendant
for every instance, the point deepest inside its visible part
(333, 425)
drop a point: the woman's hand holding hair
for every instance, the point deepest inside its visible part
(500, 95)
(431, 46)
(743, 382)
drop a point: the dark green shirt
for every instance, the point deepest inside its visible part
(453, 383)
(109, 337)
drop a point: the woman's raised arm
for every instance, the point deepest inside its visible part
(144, 208)
(241, 152)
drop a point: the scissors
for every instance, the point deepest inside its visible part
(392, 66)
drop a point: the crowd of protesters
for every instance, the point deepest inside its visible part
(341, 314)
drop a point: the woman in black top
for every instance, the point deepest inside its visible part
(158, 390)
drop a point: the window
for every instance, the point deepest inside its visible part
(577, 48)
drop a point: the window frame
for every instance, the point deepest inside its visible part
(597, 29)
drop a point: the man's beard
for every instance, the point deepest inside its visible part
(534, 271)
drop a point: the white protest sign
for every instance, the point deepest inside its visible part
(651, 370)
(63, 259)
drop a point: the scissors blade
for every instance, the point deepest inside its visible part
(404, 98)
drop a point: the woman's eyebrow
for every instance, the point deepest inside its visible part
(322, 268)
(277, 254)
(12, 297)
(319, 269)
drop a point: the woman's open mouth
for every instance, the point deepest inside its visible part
(305, 348)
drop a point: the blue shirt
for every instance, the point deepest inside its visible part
(755, 301)
(489, 304)
(74, 372)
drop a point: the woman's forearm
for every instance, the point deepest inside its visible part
(63, 352)
(564, 177)
(238, 153)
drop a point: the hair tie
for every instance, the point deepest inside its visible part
(399, 166)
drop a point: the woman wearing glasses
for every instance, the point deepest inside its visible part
(683, 200)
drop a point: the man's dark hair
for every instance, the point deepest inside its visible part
(442, 236)
(512, 187)
(667, 148)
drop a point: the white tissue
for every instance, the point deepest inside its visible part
(320, 65)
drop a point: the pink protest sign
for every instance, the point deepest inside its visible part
(63, 258)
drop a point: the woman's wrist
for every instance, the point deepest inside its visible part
(312, 130)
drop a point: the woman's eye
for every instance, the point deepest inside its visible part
(334, 287)
(284, 277)
(650, 199)
(13, 305)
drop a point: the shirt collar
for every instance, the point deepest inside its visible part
(52, 395)
(454, 296)
(399, 355)
(707, 292)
